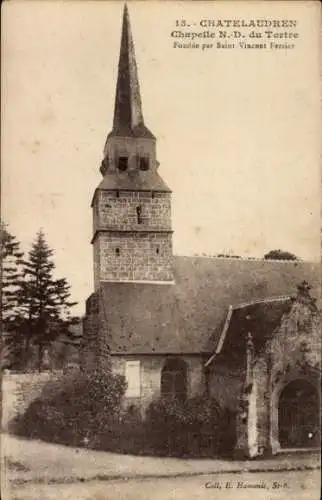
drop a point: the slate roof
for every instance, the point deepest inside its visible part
(259, 318)
(188, 317)
(135, 180)
(128, 116)
(123, 130)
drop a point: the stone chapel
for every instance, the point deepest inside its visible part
(246, 332)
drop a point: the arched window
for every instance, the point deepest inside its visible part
(174, 379)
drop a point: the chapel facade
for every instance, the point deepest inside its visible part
(232, 329)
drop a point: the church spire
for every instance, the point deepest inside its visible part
(128, 116)
(129, 155)
(132, 234)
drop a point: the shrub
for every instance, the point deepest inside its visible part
(194, 413)
(73, 408)
(89, 406)
(193, 427)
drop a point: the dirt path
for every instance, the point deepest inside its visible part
(39, 462)
(273, 486)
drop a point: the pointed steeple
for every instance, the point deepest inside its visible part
(132, 233)
(128, 116)
(129, 160)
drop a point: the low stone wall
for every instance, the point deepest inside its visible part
(19, 390)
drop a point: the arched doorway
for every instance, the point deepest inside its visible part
(174, 379)
(299, 415)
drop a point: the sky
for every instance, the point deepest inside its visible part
(238, 131)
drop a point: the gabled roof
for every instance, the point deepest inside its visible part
(259, 318)
(188, 317)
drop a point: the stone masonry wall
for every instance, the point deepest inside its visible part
(119, 212)
(89, 352)
(225, 388)
(132, 248)
(298, 340)
(19, 390)
(150, 376)
(135, 256)
(293, 352)
(96, 265)
(261, 377)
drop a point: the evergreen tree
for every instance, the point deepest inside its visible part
(11, 341)
(44, 305)
(10, 275)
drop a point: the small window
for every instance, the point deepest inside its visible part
(144, 163)
(117, 194)
(139, 214)
(122, 163)
(157, 250)
(117, 251)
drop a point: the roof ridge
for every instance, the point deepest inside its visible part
(248, 259)
(278, 298)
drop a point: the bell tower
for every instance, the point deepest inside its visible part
(132, 232)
